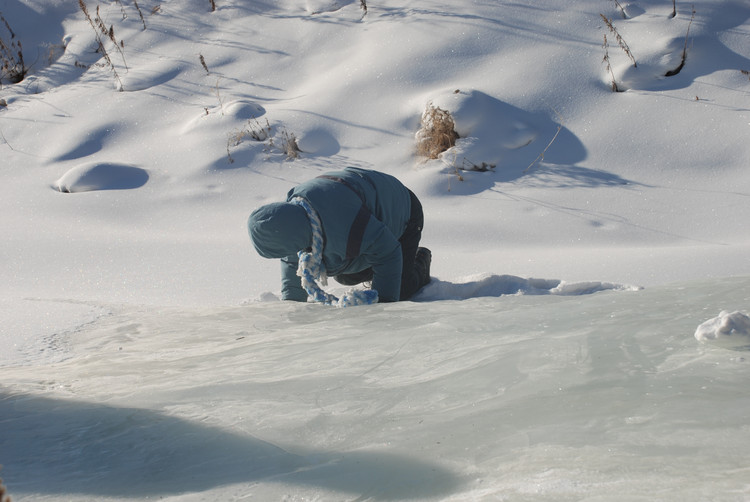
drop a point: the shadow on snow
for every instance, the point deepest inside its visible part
(66, 446)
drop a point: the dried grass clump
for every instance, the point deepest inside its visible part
(12, 67)
(437, 134)
(289, 145)
(253, 130)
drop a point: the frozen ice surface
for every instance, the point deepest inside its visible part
(605, 396)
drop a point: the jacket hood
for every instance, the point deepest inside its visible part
(279, 230)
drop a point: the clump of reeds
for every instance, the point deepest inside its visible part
(289, 145)
(12, 67)
(437, 134)
(252, 130)
(256, 131)
(104, 33)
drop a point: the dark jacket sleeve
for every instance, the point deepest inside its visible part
(382, 251)
(291, 285)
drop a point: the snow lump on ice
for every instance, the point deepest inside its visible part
(729, 330)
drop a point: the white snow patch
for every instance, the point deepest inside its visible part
(730, 330)
(483, 285)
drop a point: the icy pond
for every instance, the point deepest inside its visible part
(603, 396)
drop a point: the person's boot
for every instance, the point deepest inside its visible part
(423, 261)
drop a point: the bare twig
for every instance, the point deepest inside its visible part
(674, 9)
(203, 63)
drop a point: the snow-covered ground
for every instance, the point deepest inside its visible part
(572, 346)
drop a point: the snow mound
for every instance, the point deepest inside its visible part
(671, 52)
(728, 330)
(101, 176)
(497, 141)
(499, 285)
(321, 6)
(149, 75)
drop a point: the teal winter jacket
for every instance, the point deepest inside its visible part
(363, 214)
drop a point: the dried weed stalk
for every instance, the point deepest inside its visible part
(540, 157)
(437, 134)
(620, 41)
(103, 33)
(622, 9)
(217, 91)
(615, 88)
(137, 7)
(677, 70)
(140, 13)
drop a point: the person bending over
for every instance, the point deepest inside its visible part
(356, 225)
